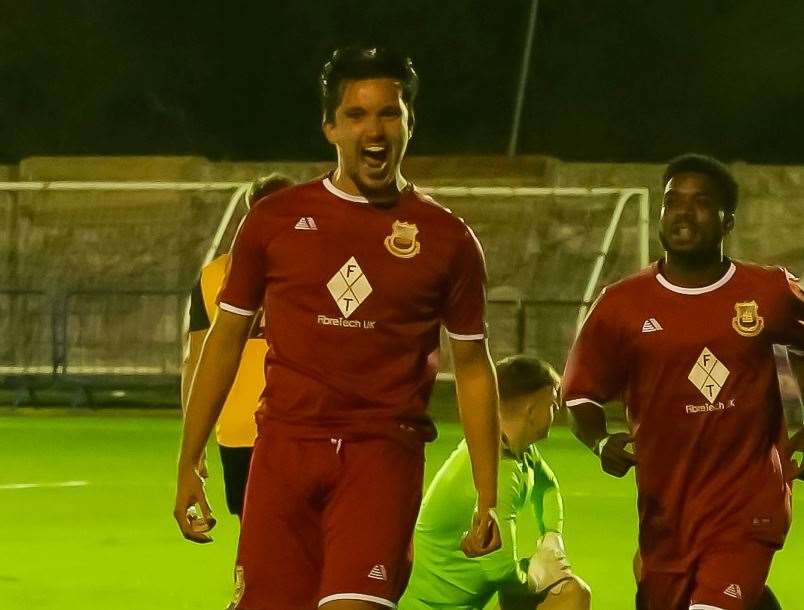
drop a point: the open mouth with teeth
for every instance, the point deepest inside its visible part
(375, 156)
(684, 231)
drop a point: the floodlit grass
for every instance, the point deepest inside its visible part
(108, 540)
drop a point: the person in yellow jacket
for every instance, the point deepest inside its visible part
(235, 430)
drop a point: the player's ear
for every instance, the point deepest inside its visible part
(328, 127)
(728, 223)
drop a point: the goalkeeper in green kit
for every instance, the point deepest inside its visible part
(443, 577)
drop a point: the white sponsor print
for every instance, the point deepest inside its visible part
(344, 323)
(349, 287)
(708, 374)
(709, 407)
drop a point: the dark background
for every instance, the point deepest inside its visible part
(621, 80)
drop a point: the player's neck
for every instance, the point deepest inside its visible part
(341, 180)
(511, 443)
(694, 272)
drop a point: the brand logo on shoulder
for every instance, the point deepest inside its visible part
(747, 322)
(306, 223)
(708, 374)
(651, 325)
(402, 241)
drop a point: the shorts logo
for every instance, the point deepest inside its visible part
(747, 322)
(240, 586)
(402, 240)
(708, 375)
(306, 223)
(378, 572)
(349, 287)
(733, 591)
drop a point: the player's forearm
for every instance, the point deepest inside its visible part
(547, 496)
(552, 511)
(478, 404)
(195, 340)
(213, 378)
(588, 422)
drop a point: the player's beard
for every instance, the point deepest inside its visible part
(378, 187)
(708, 252)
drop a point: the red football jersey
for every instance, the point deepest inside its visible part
(696, 371)
(355, 295)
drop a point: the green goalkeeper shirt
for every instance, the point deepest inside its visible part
(443, 577)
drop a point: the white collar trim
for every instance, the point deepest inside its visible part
(703, 289)
(343, 194)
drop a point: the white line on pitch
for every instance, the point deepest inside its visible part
(40, 485)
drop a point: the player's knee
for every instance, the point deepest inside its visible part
(576, 594)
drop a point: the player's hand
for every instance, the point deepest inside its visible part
(190, 497)
(615, 457)
(484, 537)
(794, 444)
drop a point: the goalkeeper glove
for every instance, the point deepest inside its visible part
(549, 564)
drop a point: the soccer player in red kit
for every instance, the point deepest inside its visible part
(687, 345)
(356, 272)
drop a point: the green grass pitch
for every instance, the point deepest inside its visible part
(106, 540)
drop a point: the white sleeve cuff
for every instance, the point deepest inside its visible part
(457, 337)
(236, 310)
(579, 401)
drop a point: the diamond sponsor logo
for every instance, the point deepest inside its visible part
(349, 287)
(708, 375)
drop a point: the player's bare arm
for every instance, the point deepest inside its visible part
(589, 426)
(215, 373)
(195, 341)
(478, 403)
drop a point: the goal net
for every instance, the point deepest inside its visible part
(94, 277)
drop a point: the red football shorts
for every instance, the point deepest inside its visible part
(327, 520)
(724, 578)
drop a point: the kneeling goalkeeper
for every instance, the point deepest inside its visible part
(443, 577)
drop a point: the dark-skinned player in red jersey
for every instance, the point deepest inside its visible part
(357, 272)
(687, 345)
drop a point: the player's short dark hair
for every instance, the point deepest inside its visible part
(352, 63)
(521, 375)
(265, 185)
(711, 167)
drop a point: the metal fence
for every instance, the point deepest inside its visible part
(88, 340)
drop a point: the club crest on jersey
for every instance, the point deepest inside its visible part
(402, 240)
(748, 322)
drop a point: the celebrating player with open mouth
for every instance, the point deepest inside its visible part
(687, 344)
(356, 273)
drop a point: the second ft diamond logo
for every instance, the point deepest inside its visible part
(349, 287)
(708, 375)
